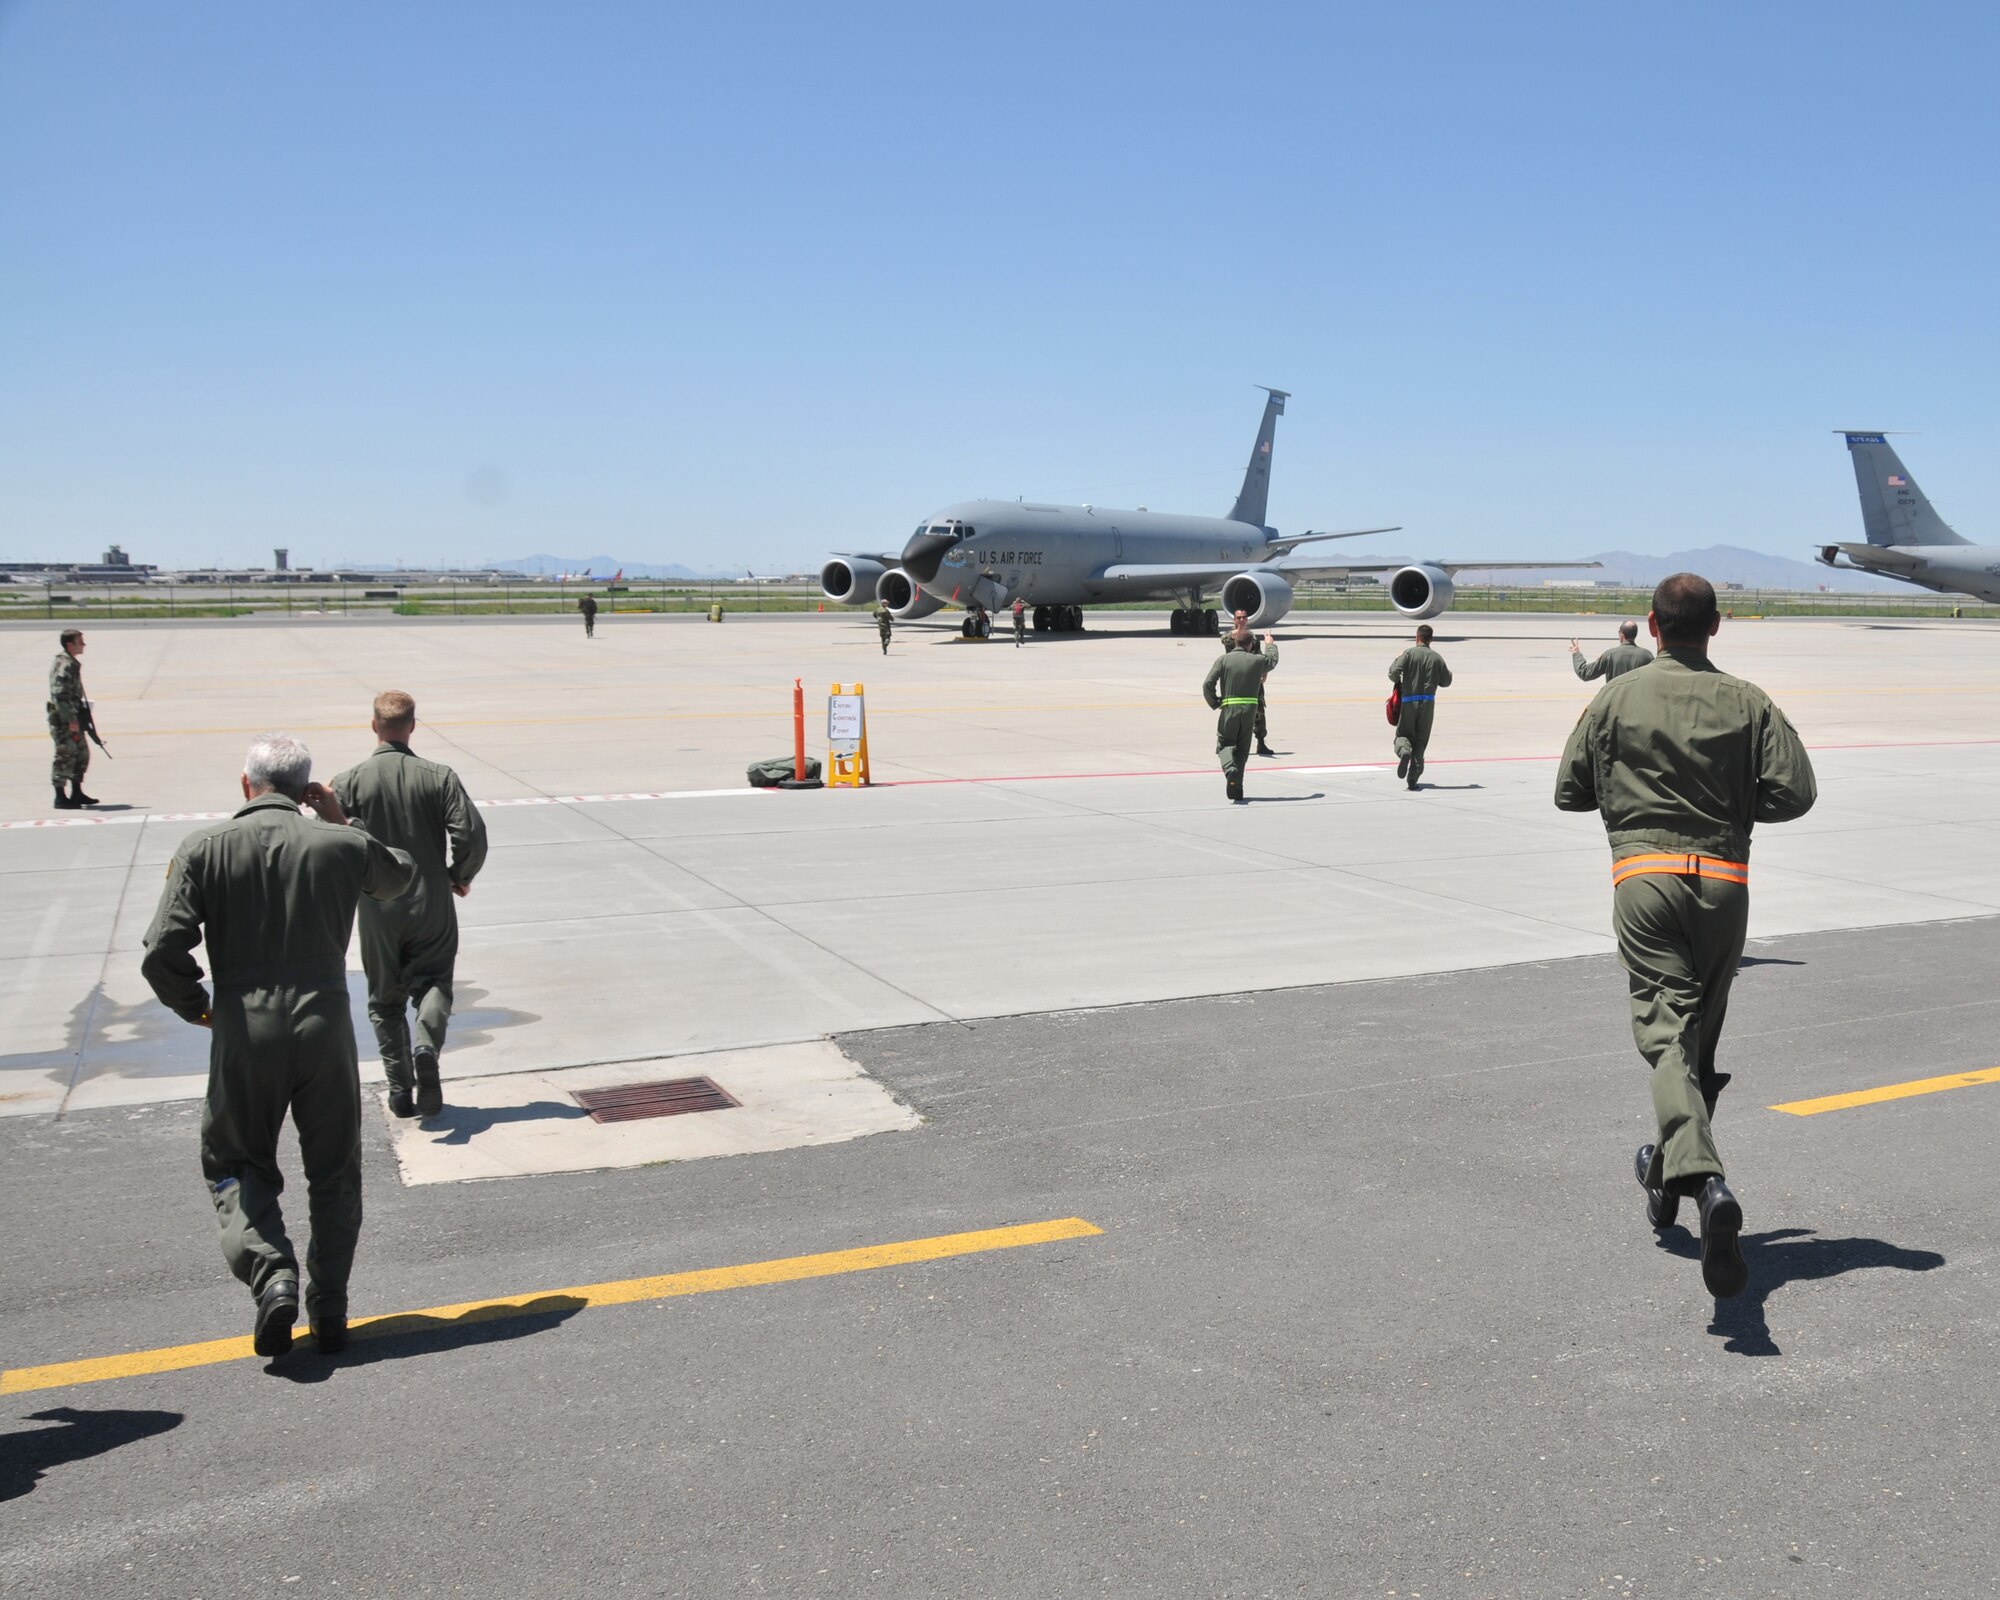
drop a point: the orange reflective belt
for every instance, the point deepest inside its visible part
(1680, 866)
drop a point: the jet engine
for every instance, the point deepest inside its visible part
(1265, 595)
(906, 602)
(851, 580)
(1421, 591)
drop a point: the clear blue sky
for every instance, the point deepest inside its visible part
(734, 284)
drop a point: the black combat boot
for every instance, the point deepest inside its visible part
(401, 1103)
(76, 795)
(430, 1093)
(1662, 1206)
(1265, 750)
(1723, 1268)
(63, 801)
(277, 1310)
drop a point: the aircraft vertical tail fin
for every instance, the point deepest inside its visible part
(1252, 502)
(1893, 509)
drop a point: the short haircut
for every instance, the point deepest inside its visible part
(279, 761)
(395, 707)
(1228, 643)
(1629, 632)
(1684, 608)
(1423, 633)
(71, 635)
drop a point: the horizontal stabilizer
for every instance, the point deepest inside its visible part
(1298, 539)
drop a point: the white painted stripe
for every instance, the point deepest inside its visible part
(484, 805)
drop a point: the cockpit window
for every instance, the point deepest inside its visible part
(963, 531)
(922, 529)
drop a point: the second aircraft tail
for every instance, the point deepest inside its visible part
(1893, 509)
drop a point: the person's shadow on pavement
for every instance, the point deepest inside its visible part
(461, 1124)
(75, 1436)
(1782, 1256)
(394, 1338)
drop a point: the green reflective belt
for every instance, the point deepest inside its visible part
(1240, 700)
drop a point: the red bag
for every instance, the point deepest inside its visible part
(1394, 706)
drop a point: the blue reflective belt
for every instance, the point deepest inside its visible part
(1412, 699)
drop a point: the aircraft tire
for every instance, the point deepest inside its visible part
(1041, 619)
(1211, 621)
(965, 629)
(1177, 621)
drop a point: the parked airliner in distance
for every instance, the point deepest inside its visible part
(984, 554)
(1907, 540)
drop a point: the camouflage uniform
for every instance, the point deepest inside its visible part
(272, 893)
(1682, 760)
(1231, 691)
(66, 703)
(884, 625)
(1418, 673)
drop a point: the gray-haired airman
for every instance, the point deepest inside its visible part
(272, 894)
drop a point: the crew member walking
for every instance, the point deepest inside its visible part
(1418, 673)
(1623, 657)
(1231, 691)
(273, 894)
(409, 948)
(884, 625)
(1020, 623)
(588, 606)
(1682, 760)
(67, 705)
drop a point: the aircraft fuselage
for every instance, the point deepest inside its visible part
(992, 552)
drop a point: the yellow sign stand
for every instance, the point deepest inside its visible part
(847, 738)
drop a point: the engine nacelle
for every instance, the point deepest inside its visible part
(1265, 595)
(851, 580)
(906, 602)
(1421, 591)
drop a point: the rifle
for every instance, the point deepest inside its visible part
(88, 722)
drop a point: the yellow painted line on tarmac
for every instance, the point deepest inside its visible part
(555, 1302)
(1890, 1091)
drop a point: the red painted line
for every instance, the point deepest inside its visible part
(1365, 766)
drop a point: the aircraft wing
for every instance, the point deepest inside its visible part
(1298, 564)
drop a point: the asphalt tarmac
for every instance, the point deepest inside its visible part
(1373, 1310)
(1253, 1212)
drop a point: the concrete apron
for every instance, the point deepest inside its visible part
(528, 1122)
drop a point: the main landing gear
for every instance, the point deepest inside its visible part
(1058, 619)
(977, 624)
(1188, 620)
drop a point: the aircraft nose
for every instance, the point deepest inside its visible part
(925, 553)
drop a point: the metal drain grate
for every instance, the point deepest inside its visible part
(676, 1097)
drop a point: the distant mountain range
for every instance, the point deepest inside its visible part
(1719, 563)
(602, 566)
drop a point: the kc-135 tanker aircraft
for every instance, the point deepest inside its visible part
(1907, 539)
(985, 554)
